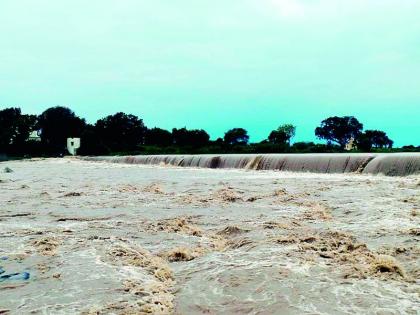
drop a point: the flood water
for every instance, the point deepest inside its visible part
(81, 237)
(390, 164)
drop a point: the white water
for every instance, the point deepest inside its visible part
(89, 209)
(395, 164)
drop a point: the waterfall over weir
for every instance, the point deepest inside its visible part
(391, 164)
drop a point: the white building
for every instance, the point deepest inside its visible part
(34, 136)
(350, 145)
(72, 145)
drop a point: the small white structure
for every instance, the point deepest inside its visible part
(72, 145)
(350, 145)
(34, 136)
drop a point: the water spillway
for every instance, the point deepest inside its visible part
(392, 164)
(400, 164)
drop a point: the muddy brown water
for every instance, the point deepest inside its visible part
(101, 238)
(389, 164)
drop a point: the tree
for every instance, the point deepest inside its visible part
(219, 141)
(339, 130)
(236, 136)
(121, 132)
(282, 134)
(15, 129)
(25, 125)
(159, 137)
(373, 138)
(410, 148)
(8, 127)
(195, 137)
(91, 143)
(56, 125)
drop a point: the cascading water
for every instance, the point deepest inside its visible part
(393, 164)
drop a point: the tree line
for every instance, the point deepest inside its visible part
(123, 133)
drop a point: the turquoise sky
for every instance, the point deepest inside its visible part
(217, 64)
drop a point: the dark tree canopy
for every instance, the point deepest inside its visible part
(9, 118)
(282, 134)
(236, 136)
(219, 141)
(91, 143)
(126, 134)
(194, 138)
(375, 139)
(159, 137)
(15, 128)
(339, 129)
(57, 124)
(26, 124)
(121, 132)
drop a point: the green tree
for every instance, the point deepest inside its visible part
(15, 129)
(373, 139)
(56, 125)
(159, 137)
(9, 118)
(283, 134)
(26, 124)
(236, 136)
(194, 138)
(121, 132)
(91, 143)
(339, 130)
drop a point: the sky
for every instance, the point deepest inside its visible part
(217, 64)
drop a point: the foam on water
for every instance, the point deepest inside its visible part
(127, 239)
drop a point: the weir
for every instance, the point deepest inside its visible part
(390, 164)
